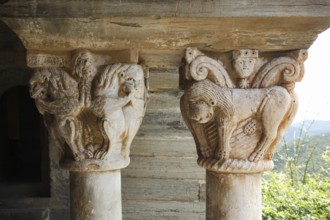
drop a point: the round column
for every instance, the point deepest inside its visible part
(233, 196)
(95, 195)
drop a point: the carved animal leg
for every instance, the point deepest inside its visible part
(271, 120)
(71, 140)
(262, 148)
(106, 141)
(225, 131)
(107, 134)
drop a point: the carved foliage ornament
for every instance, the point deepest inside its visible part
(236, 126)
(92, 111)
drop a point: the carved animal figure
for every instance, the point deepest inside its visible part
(53, 88)
(120, 103)
(205, 101)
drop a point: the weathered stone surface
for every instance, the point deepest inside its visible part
(233, 196)
(170, 8)
(93, 112)
(162, 30)
(237, 126)
(164, 168)
(160, 189)
(163, 210)
(24, 214)
(170, 36)
(95, 195)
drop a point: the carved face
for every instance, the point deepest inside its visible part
(245, 66)
(200, 112)
(131, 79)
(84, 65)
(39, 84)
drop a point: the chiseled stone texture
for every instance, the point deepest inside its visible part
(93, 109)
(162, 180)
(238, 111)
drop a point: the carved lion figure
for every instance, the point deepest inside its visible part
(205, 101)
(214, 108)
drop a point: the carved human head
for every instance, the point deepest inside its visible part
(245, 61)
(200, 111)
(83, 64)
(39, 83)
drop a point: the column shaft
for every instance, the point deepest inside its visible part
(95, 195)
(233, 196)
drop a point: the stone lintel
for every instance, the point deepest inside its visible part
(169, 8)
(39, 58)
(161, 41)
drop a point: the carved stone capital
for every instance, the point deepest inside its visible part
(239, 109)
(92, 107)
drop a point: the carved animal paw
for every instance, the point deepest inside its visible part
(89, 154)
(256, 156)
(223, 155)
(206, 151)
(101, 154)
(79, 156)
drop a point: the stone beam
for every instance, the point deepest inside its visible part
(169, 8)
(92, 107)
(238, 110)
(160, 31)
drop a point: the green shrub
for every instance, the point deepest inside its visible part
(283, 199)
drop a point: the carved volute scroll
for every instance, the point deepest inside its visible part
(238, 117)
(92, 109)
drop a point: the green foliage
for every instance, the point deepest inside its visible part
(284, 200)
(300, 187)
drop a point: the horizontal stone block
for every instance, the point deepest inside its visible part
(163, 210)
(164, 168)
(163, 146)
(160, 189)
(24, 214)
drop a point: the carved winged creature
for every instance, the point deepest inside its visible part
(214, 109)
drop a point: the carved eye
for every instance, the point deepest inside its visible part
(246, 53)
(121, 74)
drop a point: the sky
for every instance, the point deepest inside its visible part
(314, 90)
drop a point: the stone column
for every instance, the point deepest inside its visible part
(92, 108)
(237, 111)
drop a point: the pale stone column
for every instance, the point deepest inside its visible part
(237, 111)
(92, 108)
(95, 195)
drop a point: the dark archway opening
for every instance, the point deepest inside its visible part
(24, 163)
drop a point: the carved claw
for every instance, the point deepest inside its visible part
(256, 156)
(223, 155)
(79, 156)
(89, 154)
(101, 154)
(206, 151)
